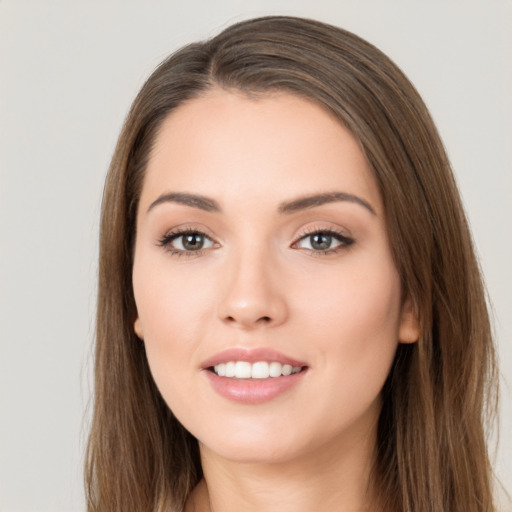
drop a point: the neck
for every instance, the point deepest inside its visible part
(333, 478)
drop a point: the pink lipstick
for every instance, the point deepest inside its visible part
(252, 376)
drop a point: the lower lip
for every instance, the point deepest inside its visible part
(253, 391)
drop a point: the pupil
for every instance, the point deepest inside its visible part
(193, 241)
(320, 241)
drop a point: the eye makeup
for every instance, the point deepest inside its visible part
(189, 241)
(323, 241)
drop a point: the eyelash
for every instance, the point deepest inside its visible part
(166, 241)
(344, 240)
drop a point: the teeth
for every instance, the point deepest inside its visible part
(243, 370)
(287, 369)
(259, 370)
(274, 369)
(230, 369)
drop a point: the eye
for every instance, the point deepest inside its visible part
(323, 241)
(186, 242)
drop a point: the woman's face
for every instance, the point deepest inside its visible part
(261, 250)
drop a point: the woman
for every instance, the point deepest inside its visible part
(290, 313)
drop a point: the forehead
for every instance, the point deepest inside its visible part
(277, 145)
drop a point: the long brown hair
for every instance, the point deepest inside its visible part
(431, 449)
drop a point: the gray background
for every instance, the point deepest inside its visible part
(68, 72)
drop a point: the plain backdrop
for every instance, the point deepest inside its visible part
(68, 72)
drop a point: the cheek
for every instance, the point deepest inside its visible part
(171, 304)
(176, 306)
(172, 313)
(356, 320)
(361, 297)
(353, 339)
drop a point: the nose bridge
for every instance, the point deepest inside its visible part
(251, 295)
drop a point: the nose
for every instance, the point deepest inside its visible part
(250, 297)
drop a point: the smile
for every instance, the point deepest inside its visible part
(254, 375)
(256, 370)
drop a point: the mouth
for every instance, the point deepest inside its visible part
(256, 370)
(252, 376)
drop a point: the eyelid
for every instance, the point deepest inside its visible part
(346, 239)
(174, 233)
(188, 228)
(323, 228)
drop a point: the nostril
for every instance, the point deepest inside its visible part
(245, 318)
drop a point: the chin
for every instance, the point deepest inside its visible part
(253, 452)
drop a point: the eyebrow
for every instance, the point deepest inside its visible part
(303, 203)
(195, 201)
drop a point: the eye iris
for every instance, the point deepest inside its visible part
(193, 241)
(320, 241)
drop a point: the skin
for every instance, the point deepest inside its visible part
(260, 283)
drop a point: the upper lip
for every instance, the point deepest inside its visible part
(251, 355)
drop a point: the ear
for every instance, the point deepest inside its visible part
(137, 327)
(409, 328)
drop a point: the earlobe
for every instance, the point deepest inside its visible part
(137, 327)
(409, 330)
